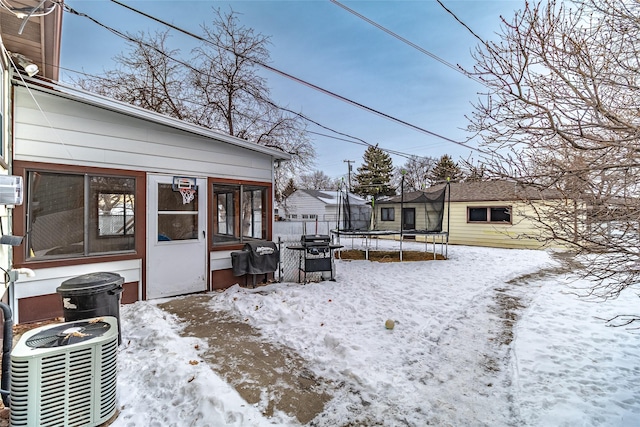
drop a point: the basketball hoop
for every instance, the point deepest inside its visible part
(187, 188)
(188, 194)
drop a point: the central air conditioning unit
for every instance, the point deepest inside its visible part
(65, 374)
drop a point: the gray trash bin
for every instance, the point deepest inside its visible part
(92, 295)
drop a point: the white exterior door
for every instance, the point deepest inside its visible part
(176, 239)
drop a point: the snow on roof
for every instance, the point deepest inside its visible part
(329, 196)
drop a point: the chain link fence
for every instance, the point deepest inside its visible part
(289, 233)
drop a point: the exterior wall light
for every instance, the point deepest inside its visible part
(25, 63)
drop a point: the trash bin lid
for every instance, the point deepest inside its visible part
(91, 283)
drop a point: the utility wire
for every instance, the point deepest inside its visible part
(189, 66)
(395, 153)
(462, 23)
(301, 81)
(413, 45)
(353, 139)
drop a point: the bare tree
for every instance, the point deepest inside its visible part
(146, 76)
(417, 173)
(288, 190)
(218, 88)
(226, 75)
(561, 113)
(235, 97)
(474, 171)
(316, 180)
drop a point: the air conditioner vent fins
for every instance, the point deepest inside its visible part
(65, 375)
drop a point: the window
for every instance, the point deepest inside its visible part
(115, 214)
(497, 214)
(500, 214)
(239, 213)
(176, 220)
(387, 214)
(252, 213)
(477, 214)
(76, 215)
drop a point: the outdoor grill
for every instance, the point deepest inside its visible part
(315, 244)
(257, 257)
(316, 253)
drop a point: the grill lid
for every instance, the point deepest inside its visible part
(315, 240)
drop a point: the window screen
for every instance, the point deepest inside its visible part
(74, 215)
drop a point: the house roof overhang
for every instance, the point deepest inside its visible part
(78, 95)
(498, 190)
(40, 39)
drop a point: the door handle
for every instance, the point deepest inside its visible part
(204, 234)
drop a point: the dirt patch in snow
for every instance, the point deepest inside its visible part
(389, 256)
(270, 376)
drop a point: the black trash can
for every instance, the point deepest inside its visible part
(92, 295)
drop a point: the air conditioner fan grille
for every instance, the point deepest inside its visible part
(69, 333)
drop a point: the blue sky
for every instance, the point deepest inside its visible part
(323, 44)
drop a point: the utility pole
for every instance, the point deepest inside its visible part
(348, 162)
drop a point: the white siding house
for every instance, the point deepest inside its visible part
(38, 42)
(74, 150)
(109, 187)
(327, 206)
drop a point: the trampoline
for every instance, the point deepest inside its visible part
(425, 208)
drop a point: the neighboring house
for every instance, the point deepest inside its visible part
(328, 206)
(416, 212)
(496, 214)
(484, 213)
(101, 182)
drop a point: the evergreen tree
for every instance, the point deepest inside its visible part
(476, 173)
(289, 189)
(374, 176)
(446, 170)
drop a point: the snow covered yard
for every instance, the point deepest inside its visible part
(488, 337)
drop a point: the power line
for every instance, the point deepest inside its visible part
(301, 81)
(462, 23)
(353, 139)
(359, 141)
(413, 45)
(189, 66)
